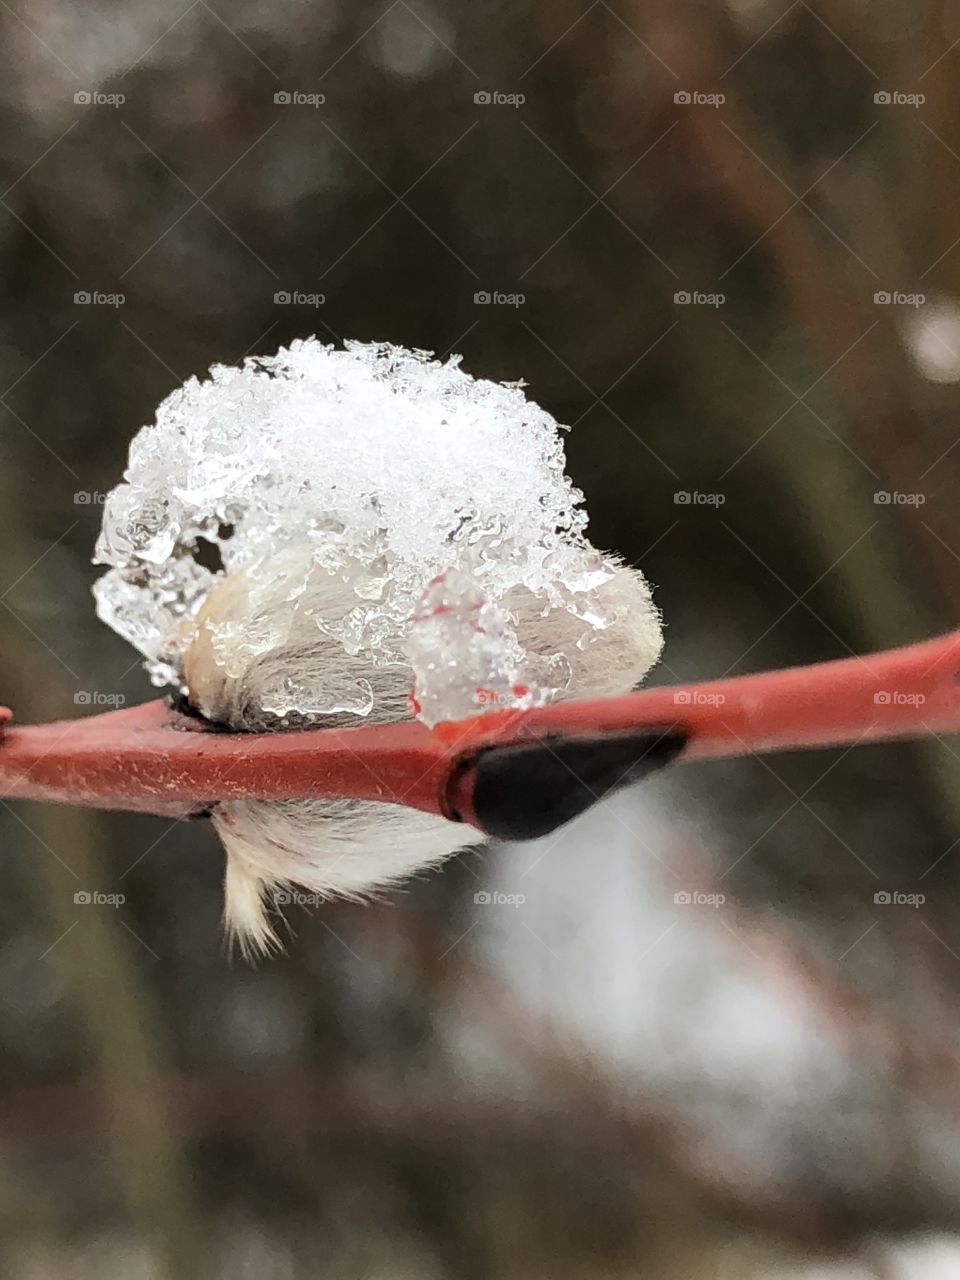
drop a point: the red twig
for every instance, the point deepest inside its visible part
(152, 759)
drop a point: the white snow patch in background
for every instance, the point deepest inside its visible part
(932, 336)
(664, 999)
(936, 1257)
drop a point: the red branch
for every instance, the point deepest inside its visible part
(150, 758)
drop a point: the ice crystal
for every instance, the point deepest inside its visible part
(467, 657)
(433, 494)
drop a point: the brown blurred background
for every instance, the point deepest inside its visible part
(722, 241)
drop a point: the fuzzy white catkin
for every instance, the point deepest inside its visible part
(349, 848)
(385, 522)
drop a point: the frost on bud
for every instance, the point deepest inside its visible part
(390, 468)
(312, 537)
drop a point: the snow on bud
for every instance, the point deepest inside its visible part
(387, 526)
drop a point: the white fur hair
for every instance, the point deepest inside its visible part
(350, 848)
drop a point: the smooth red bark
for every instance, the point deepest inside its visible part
(152, 759)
